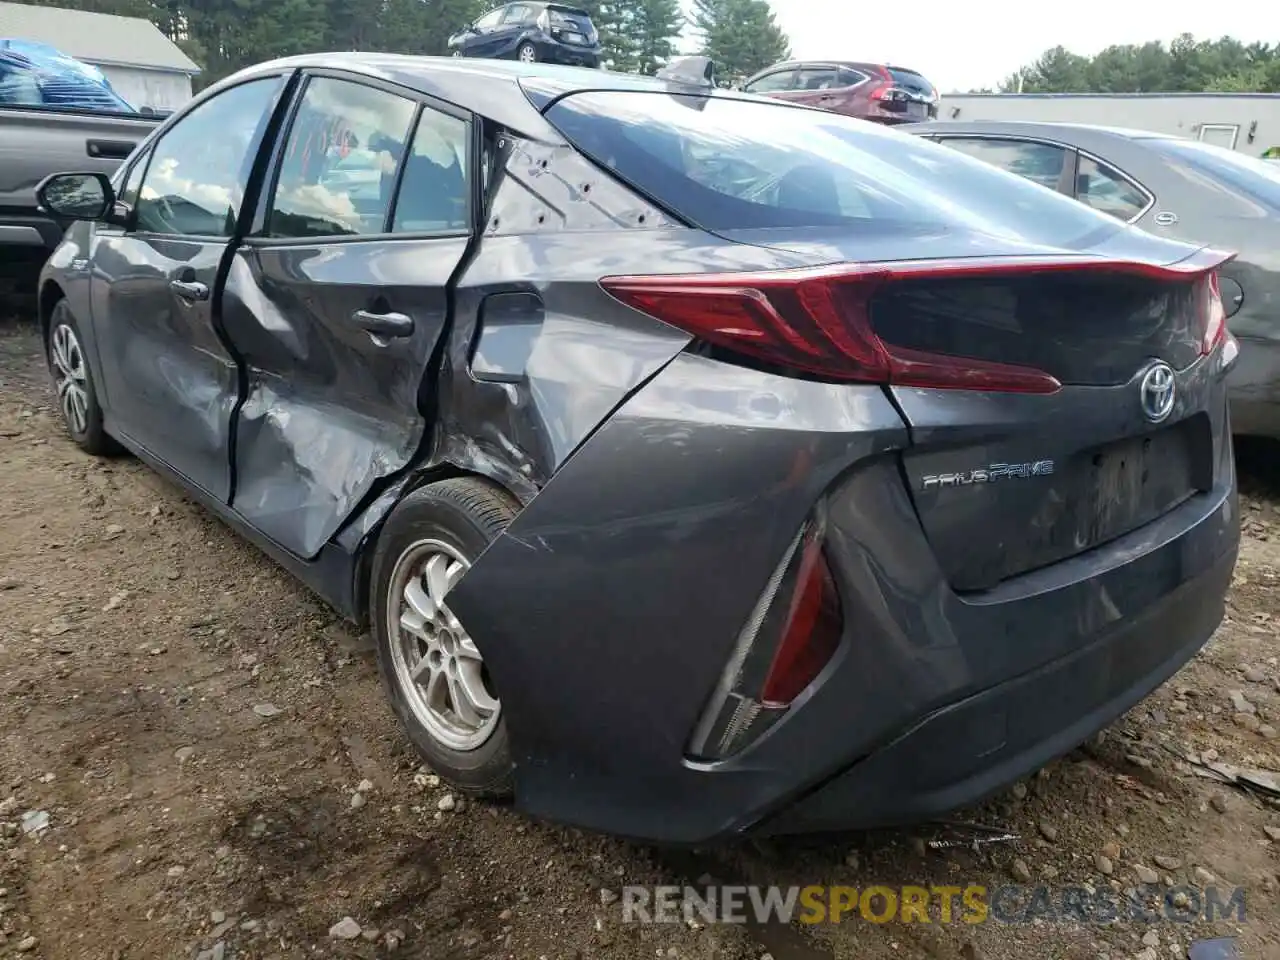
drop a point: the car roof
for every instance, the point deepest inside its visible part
(1040, 128)
(505, 91)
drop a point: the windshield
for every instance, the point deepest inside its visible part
(730, 164)
(1257, 178)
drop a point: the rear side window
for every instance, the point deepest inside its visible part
(729, 164)
(1039, 162)
(1104, 188)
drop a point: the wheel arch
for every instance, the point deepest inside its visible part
(49, 296)
(373, 521)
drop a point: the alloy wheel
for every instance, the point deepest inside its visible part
(528, 54)
(438, 666)
(70, 378)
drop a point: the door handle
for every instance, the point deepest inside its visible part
(384, 324)
(190, 290)
(109, 149)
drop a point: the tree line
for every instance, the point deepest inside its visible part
(1185, 65)
(222, 36)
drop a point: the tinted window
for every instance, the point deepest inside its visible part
(817, 78)
(433, 191)
(912, 81)
(729, 164)
(1104, 188)
(518, 13)
(1039, 162)
(338, 171)
(851, 78)
(490, 19)
(195, 182)
(782, 80)
(1256, 178)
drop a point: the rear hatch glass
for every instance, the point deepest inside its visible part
(1256, 178)
(571, 19)
(910, 80)
(736, 164)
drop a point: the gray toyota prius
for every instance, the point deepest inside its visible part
(702, 464)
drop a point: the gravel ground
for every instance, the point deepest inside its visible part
(222, 778)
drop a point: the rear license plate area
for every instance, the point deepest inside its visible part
(1127, 483)
(575, 38)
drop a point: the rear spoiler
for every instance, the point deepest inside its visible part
(690, 72)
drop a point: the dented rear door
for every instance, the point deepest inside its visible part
(338, 301)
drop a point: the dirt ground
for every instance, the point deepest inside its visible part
(197, 727)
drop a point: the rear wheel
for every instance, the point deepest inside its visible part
(73, 384)
(434, 673)
(527, 53)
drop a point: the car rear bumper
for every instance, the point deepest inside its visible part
(566, 54)
(969, 749)
(625, 584)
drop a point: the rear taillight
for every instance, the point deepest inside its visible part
(884, 91)
(790, 636)
(1213, 313)
(818, 321)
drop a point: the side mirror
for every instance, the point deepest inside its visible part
(77, 196)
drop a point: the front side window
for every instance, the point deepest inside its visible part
(434, 192)
(1038, 162)
(338, 170)
(1104, 188)
(772, 82)
(195, 183)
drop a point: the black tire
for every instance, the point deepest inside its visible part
(533, 53)
(90, 435)
(467, 514)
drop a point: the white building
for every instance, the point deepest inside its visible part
(144, 66)
(1247, 122)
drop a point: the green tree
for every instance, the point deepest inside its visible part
(1185, 65)
(741, 36)
(615, 21)
(656, 26)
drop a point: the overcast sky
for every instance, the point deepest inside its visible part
(964, 45)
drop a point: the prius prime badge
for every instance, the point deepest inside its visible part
(1157, 391)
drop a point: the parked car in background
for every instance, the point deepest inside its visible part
(55, 114)
(869, 91)
(1173, 187)
(531, 31)
(687, 451)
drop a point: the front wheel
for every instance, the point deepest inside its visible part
(432, 669)
(527, 53)
(73, 384)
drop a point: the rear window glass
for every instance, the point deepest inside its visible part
(912, 81)
(728, 164)
(1257, 178)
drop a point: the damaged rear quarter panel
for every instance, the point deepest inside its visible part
(539, 355)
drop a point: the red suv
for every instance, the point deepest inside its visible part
(870, 91)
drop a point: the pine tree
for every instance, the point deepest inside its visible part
(656, 26)
(741, 36)
(615, 22)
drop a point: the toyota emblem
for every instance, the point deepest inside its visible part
(1157, 391)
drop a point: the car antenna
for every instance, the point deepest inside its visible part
(684, 73)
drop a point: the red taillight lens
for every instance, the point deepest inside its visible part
(811, 633)
(819, 321)
(883, 91)
(1214, 314)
